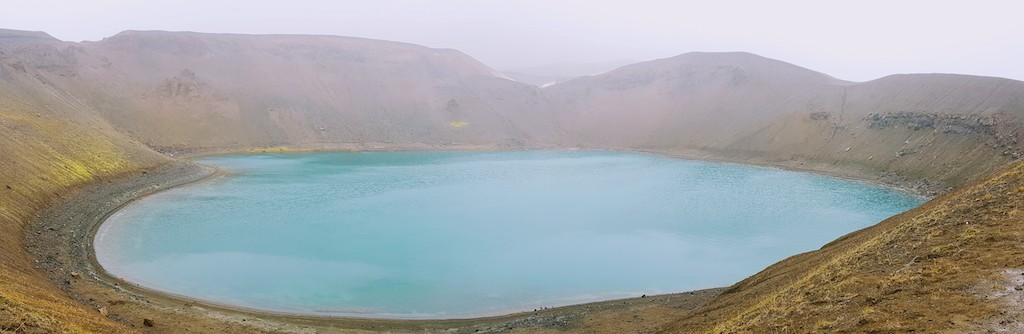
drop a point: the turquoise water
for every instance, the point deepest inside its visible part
(460, 234)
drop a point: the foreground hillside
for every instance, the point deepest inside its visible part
(951, 265)
(97, 115)
(51, 142)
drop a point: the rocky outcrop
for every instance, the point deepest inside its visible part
(1001, 132)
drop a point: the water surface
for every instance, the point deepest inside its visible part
(460, 234)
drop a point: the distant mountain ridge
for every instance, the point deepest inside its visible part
(740, 106)
(549, 74)
(269, 90)
(9, 35)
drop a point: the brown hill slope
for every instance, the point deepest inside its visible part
(189, 90)
(950, 265)
(939, 130)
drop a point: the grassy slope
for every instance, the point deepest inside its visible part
(50, 144)
(950, 265)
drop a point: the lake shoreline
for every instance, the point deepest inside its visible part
(69, 262)
(919, 188)
(61, 243)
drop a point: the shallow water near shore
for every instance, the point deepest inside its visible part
(462, 234)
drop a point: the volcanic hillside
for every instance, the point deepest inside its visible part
(51, 142)
(74, 115)
(938, 130)
(188, 90)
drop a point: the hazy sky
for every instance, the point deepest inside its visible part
(852, 40)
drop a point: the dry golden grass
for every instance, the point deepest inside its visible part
(47, 154)
(29, 305)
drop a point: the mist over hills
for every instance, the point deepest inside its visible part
(192, 91)
(245, 91)
(740, 106)
(550, 74)
(76, 114)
